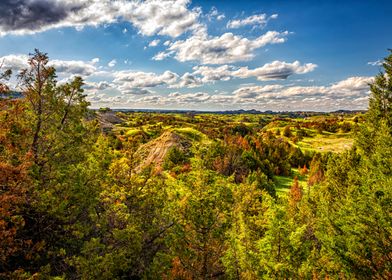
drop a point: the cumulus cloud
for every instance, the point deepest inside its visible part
(212, 74)
(202, 75)
(16, 62)
(185, 98)
(255, 91)
(135, 91)
(261, 97)
(96, 86)
(31, 16)
(23, 16)
(139, 79)
(259, 20)
(169, 17)
(73, 67)
(227, 48)
(353, 87)
(276, 70)
(187, 80)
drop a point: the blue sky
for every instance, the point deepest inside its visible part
(205, 55)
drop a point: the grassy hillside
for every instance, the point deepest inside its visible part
(315, 134)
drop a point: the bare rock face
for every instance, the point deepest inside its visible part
(107, 120)
(155, 151)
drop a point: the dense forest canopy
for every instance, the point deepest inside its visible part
(90, 194)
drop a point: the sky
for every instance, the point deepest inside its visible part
(205, 55)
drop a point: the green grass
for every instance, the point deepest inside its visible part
(284, 183)
(132, 132)
(328, 142)
(191, 133)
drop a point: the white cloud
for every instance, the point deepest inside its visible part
(112, 63)
(215, 14)
(74, 67)
(150, 17)
(255, 91)
(375, 63)
(276, 70)
(212, 74)
(135, 91)
(95, 60)
(260, 97)
(169, 17)
(16, 62)
(185, 98)
(227, 48)
(139, 79)
(259, 20)
(353, 87)
(162, 55)
(154, 43)
(96, 86)
(187, 80)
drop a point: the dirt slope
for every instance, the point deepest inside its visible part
(155, 151)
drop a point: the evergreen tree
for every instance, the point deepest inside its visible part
(380, 101)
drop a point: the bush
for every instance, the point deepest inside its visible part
(287, 131)
(175, 157)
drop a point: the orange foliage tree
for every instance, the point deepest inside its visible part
(14, 181)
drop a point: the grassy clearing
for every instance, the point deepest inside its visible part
(191, 134)
(284, 183)
(132, 132)
(335, 143)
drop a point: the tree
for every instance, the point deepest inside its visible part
(248, 226)
(4, 76)
(15, 162)
(54, 142)
(355, 210)
(202, 217)
(295, 196)
(380, 101)
(380, 107)
(287, 131)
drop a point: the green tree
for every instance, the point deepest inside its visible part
(355, 211)
(65, 180)
(287, 131)
(202, 217)
(380, 101)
